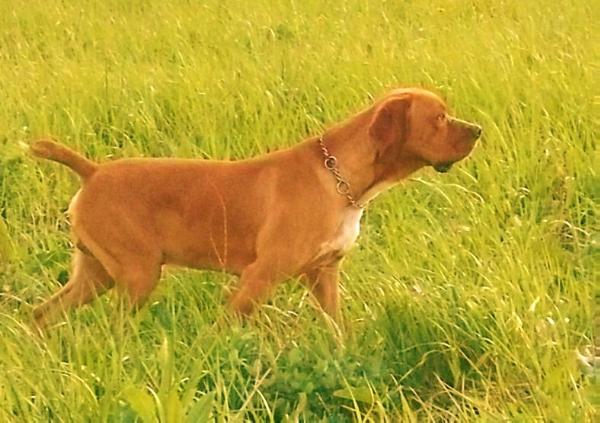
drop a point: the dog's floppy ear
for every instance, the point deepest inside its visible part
(389, 124)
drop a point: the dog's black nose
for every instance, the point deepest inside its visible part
(477, 130)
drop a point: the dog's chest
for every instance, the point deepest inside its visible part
(345, 235)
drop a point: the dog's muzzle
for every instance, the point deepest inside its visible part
(473, 128)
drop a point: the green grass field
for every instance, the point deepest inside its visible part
(467, 295)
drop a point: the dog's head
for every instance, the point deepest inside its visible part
(415, 124)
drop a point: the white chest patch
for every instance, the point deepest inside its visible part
(345, 235)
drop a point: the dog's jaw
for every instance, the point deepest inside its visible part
(443, 167)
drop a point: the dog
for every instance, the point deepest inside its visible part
(293, 212)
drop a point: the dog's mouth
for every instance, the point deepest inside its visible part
(443, 167)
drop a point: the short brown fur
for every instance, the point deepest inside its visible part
(266, 219)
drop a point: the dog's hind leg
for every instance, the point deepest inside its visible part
(127, 250)
(89, 279)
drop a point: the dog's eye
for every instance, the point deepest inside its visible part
(442, 117)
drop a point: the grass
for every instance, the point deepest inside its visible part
(467, 294)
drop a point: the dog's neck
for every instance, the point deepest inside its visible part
(356, 154)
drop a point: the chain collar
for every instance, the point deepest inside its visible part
(342, 186)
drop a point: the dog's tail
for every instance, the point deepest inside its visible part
(51, 150)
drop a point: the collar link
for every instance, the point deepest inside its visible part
(342, 186)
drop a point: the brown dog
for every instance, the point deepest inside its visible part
(288, 213)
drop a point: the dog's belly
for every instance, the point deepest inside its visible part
(207, 244)
(203, 254)
(192, 258)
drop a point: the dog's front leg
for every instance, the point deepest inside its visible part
(323, 283)
(256, 282)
